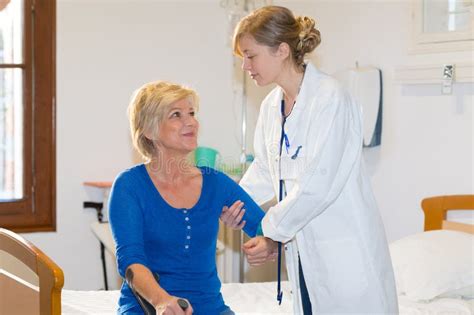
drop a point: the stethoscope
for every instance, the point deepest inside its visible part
(282, 188)
(282, 191)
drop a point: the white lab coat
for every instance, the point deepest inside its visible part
(329, 215)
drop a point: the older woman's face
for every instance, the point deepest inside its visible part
(179, 128)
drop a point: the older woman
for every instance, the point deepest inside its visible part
(165, 213)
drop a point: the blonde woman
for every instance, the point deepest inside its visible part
(308, 146)
(165, 213)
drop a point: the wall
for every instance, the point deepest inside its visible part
(106, 49)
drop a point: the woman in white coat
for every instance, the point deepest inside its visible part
(308, 153)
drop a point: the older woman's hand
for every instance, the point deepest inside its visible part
(171, 306)
(260, 249)
(232, 217)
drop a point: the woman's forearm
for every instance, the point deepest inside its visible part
(145, 284)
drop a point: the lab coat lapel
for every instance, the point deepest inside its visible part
(296, 125)
(272, 138)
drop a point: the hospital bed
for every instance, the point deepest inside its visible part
(440, 286)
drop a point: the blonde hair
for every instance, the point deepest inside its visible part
(273, 25)
(148, 107)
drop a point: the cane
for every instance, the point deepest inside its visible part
(146, 306)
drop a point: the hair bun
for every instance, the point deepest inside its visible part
(306, 23)
(309, 36)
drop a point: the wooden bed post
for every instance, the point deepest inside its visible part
(51, 277)
(435, 208)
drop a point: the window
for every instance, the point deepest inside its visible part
(442, 25)
(27, 109)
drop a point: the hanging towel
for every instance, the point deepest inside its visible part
(365, 85)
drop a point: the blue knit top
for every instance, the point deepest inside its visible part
(178, 244)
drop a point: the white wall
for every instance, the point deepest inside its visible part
(106, 49)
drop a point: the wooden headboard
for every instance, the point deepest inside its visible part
(44, 300)
(436, 208)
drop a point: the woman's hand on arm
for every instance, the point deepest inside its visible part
(232, 217)
(259, 250)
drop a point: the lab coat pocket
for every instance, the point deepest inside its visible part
(291, 168)
(342, 269)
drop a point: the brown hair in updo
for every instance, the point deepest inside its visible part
(273, 25)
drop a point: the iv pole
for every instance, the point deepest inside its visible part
(243, 163)
(238, 9)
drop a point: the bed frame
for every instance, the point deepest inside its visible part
(18, 296)
(46, 299)
(436, 208)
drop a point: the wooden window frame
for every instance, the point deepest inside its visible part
(37, 210)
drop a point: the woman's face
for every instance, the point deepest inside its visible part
(262, 63)
(179, 129)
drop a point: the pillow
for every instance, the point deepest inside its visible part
(464, 293)
(432, 263)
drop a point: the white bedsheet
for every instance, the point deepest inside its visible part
(436, 307)
(252, 298)
(248, 298)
